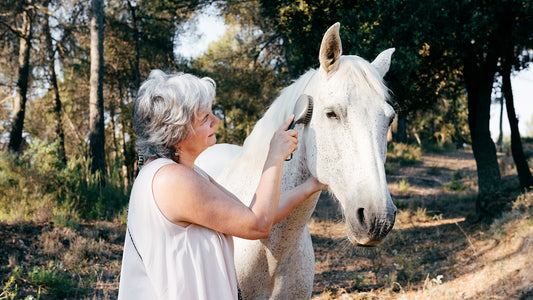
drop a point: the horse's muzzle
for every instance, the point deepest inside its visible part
(369, 231)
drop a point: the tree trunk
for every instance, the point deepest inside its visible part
(130, 153)
(137, 36)
(478, 80)
(500, 137)
(54, 89)
(96, 101)
(524, 174)
(401, 136)
(21, 96)
(459, 141)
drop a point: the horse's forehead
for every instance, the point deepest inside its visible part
(346, 94)
(348, 86)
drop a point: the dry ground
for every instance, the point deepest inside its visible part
(434, 252)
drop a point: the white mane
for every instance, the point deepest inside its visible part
(353, 71)
(256, 145)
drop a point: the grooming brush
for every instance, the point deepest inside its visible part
(303, 110)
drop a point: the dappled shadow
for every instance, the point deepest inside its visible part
(328, 208)
(414, 254)
(406, 256)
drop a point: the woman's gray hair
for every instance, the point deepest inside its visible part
(165, 109)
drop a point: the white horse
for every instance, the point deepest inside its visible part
(343, 146)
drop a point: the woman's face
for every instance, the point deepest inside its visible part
(203, 134)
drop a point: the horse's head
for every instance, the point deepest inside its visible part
(346, 139)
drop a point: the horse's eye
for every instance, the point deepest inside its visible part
(331, 115)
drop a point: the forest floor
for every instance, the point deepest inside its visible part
(435, 251)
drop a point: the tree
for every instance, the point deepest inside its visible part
(245, 83)
(18, 19)
(420, 75)
(141, 38)
(491, 29)
(524, 174)
(96, 99)
(54, 88)
(479, 56)
(437, 42)
(517, 25)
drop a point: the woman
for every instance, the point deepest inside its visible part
(180, 221)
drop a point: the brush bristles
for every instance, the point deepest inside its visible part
(309, 111)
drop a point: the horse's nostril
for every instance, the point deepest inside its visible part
(361, 216)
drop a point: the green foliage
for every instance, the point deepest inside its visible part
(421, 215)
(520, 215)
(39, 187)
(52, 280)
(391, 168)
(455, 184)
(246, 85)
(10, 288)
(403, 154)
(403, 185)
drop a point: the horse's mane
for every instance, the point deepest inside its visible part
(256, 145)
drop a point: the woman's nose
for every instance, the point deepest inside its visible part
(215, 120)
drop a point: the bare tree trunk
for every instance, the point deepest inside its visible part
(524, 174)
(21, 96)
(401, 136)
(478, 79)
(55, 93)
(500, 137)
(130, 155)
(459, 140)
(96, 101)
(137, 35)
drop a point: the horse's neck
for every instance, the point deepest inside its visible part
(286, 232)
(243, 180)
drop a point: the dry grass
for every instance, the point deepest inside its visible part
(434, 251)
(48, 262)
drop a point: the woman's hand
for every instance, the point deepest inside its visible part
(314, 185)
(283, 142)
(290, 199)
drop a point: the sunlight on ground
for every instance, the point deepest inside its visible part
(400, 226)
(501, 268)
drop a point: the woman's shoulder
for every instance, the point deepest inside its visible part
(175, 173)
(176, 189)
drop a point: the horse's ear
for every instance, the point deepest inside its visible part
(330, 49)
(382, 62)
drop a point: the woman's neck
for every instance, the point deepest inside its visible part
(185, 160)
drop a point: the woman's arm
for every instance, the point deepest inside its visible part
(289, 200)
(185, 197)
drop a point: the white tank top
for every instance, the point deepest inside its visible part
(163, 260)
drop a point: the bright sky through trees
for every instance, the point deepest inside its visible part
(206, 27)
(522, 85)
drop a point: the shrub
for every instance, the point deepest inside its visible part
(522, 211)
(52, 280)
(403, 153)
(403, 185)
(38, 186)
